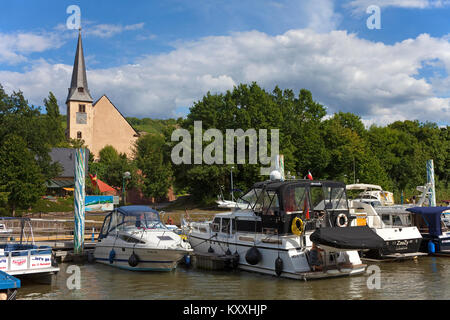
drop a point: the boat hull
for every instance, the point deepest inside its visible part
(295, 257)
(149, 259)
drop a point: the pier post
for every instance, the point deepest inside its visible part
(79, 197)
(430, 179)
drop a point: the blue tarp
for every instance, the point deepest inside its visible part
(432, 216)
(8, 282)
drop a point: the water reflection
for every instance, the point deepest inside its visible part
(426, 278)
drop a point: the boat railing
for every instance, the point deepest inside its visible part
(22, 259)
(46, 230)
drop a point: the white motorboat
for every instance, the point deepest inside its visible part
(393, 224)
(21, 257)
(134, 238)
(275, 234)
(372, 194)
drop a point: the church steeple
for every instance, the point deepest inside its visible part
(79, 90)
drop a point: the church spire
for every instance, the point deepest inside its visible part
(79, 90)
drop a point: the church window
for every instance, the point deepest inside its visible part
(80, 89)
(79, 135)
(81, 108)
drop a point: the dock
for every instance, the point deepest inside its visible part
(211, 261)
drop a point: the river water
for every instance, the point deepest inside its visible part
(424, 278)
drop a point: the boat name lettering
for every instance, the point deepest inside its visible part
(19, 262)
(402, 243)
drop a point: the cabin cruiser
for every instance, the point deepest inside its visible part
(372, 194)
(436, 235)
(393, 224)
(134, 238)
(21, 257)
(274, 235)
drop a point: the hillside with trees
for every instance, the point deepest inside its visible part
(333, 147)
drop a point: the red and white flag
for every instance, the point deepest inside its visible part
(309, 176)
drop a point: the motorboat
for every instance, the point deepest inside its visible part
(134, 238)
(372, 194)
(436, 235)
(393, 224)
(285, 226)
(22, 257)
(8, 286)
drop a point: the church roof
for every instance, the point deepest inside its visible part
(79, 79)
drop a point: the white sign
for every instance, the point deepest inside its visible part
(41, 261)
(19, 263)
(3, 263)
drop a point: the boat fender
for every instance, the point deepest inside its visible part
(210, 250)
(228, 253)
(235, 261)
(342, 220)
(253, 256)
(431, 247)
(297, 226)
(278, 266)
(112, 255)
(187, 260)
(133, 260)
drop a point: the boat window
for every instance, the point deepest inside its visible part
(105, 226)
(294, 199)
(317, 198)
(225, 225)
(250, 197)
(396, 220)
(335, 198)
(233, 226)
(268, 203)
(130, 239)
(215, 226)
(386, 218)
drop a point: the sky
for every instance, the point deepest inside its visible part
(156, 58)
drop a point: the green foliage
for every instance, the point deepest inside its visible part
(55, 130)
(20, 174)
(151, 153)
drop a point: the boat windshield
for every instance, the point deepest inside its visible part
(250, 197)
(335, 198)
(140, 220)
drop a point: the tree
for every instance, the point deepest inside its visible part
(20, 174)
(151, 153)
(55, 130)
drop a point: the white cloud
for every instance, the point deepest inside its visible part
(379, 82)
(359, 6)
(109, 30)
(14, 47)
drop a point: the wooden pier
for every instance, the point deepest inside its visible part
(211, 261)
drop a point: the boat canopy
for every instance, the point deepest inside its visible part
(354, 238)
(130, 216)
(432, 216)
(363, 186)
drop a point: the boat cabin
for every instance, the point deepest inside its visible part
(130, 217)
(278, 203)
(433, 229)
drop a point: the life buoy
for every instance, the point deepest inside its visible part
(297, 226)
(338, 220)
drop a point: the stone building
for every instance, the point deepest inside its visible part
(99, 124)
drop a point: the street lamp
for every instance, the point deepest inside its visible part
(126, 176)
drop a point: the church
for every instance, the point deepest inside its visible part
(98, 123)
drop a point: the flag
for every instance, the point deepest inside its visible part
(93, 180)
(309, 176)
(305, 205)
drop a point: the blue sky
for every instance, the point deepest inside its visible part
(155, 58)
